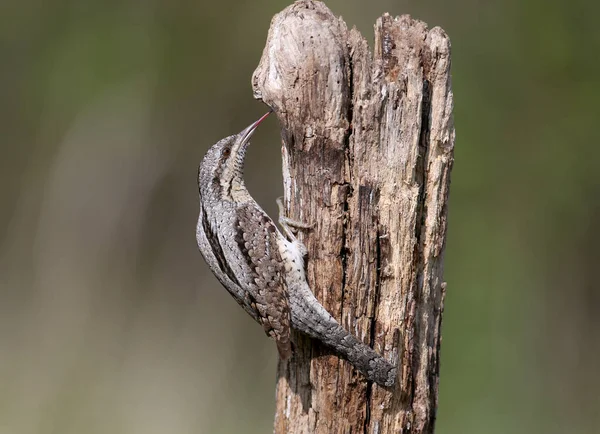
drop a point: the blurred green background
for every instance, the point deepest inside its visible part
(111, 323)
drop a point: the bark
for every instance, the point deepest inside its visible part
(367, 152)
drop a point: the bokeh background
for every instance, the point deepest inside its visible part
(111, 323)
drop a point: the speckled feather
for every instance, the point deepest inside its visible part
(256, 235)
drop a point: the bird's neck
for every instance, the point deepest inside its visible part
(233, 187)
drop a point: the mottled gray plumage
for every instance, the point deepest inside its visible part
(262, 269)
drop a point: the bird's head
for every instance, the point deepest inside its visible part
(222, 168)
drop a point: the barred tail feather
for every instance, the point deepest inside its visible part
(311, 318)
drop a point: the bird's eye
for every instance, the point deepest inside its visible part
(226, 152)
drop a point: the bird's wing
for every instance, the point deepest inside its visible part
(212, 251)
(256, 237)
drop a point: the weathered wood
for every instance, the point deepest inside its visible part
(367, 152)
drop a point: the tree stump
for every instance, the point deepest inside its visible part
(367, 153)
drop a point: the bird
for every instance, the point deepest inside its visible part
(262, 267)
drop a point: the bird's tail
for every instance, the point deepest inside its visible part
(311, 318)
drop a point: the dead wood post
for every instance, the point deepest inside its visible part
(367, 152)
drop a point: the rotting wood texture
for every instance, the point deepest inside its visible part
(367, 152)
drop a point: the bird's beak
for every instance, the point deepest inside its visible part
(247, 133)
